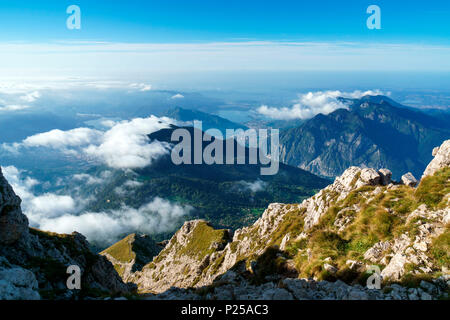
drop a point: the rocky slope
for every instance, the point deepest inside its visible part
(183, 261)
(362, 221)
(33, 263)
(374, 132)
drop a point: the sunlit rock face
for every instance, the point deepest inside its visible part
(441, 159)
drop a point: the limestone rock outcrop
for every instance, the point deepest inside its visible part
(441, 159)
(409, 180)
(181, 263)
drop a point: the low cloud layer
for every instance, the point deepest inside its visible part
(105, 227)
(141, 86)
(65, 213)
(255, 186)
(58, 139)
(127, 188)
(163, 58)
(312, 103)
(14, 107)
(92, 180)
(37, 207)
(125, 145)
(177, 96)
(31, 96)
(14, 99)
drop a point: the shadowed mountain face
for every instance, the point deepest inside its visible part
(374, 132)
(229, 196)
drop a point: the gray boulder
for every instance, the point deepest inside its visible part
(385, 175)
(409, 180)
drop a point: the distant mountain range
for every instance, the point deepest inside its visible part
(375, 132)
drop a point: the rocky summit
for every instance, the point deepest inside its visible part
(334, 245)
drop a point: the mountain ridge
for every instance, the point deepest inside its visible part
(371, 134)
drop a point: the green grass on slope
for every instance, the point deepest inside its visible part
(380, 218)
(440, 250)
(432, 189)
(122, 250)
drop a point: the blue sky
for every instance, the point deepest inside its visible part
(219, 20)
(135, 37)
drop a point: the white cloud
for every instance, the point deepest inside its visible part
(50, 205)
(21, 186)
(134, 59)
(36, 207)
(14, 107)
(255, 186)
(108, 123)
(64, 213)
(120, 191)
(89, 179)
(133, 184)
(29, 89)
(105, 227)
(357, 94)
(14, 98)
(312, 103)
(59, 139)
(125, 145)
(141, 86)
(177, 96)
(31, 97)
(127, 188)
